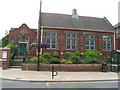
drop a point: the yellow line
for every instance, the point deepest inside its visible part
(47, 84)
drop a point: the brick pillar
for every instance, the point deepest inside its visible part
(4, 58)
(81, 42)
(61, 42)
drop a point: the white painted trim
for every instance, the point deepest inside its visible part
(23, 42)
(4, 48)
(3, 60)
(114, 40)
(41, 39)
(77, 29)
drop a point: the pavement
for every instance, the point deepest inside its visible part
(18, 74)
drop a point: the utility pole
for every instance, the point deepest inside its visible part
(39, 36)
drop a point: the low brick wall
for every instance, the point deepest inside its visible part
(65, 67)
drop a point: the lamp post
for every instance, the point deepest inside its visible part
(39, 36)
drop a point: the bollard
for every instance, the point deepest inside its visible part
(104, 67)
(53, 72)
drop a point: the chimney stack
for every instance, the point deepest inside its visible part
(74, 13)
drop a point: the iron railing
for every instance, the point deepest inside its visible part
(25, 56)
(13, 55)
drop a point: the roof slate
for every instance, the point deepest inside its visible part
(117, 25)
(82, 22)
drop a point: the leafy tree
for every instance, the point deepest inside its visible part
(12, 47)
(0, 43)
(5, 39)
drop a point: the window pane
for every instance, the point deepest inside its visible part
(92, 36)
(68, 46)
(48, 40)
(109, 38)
(47, 34)
(87, 47)
(108, 48)
(68, 41)
(104, 45)
(104, 37)
(53, 40)
(92, 42)
(86, 42)
(68, 35)
(53, 46)
(48, 45)
(73, 41)
(87, 36)
(92, 47)
(109, 45)
(53, 34)
(73, 35)
(73, 46)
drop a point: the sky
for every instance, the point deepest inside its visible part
(13, 13)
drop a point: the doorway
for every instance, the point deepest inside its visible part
(23, 49)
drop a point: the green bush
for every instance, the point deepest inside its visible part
(91, 61)
(106, 59)
(34, 60)
(65, 61)
(47, 56)
(69, 62)
(92, 54)
(75, 59)
(77, 53)
(67, 55)
(54, 60)
(44, 60)
(55, 54)
(12, 47)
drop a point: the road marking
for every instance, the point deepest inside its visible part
(36, 83)
(47, 84)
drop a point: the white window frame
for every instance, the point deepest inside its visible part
(51, 38)
(106, 42)
(71, 38)
(89, 45)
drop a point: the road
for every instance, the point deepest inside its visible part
(90, 84)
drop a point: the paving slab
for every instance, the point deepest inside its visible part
(18, 74)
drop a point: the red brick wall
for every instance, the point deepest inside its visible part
(67, 67)
(29, 35)
(117, 40)
(80, 42)
(61, 39)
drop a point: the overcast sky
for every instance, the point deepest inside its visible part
(13, 13)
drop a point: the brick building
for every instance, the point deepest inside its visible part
(66, 33)
(117, 28)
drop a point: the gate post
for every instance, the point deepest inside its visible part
(4, 58)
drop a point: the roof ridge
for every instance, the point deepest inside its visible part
(70, 15)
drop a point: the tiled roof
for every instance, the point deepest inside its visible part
(117, 25)
(13, 29)
(82, 22)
